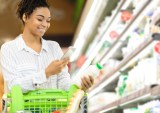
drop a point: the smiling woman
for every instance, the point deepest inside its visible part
(36, 24)
(62, 13)
(31, 61)
(35, 19)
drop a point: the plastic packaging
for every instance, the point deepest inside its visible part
(69, 52)
(92, 70)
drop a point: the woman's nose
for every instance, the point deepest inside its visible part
(44, 23)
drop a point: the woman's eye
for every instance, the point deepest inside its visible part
(40, 20)
(48, 21)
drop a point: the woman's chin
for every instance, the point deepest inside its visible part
(40, 34)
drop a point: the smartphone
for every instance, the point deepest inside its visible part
(69, 52)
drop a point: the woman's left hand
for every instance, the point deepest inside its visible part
(87, 82)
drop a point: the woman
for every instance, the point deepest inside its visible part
(29, 60)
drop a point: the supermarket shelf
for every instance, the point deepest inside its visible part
(117, 44)
(135, 59)
(99, 44)
(142, 95)
(115, 73)
(86, 31)
(145, 53)
(113, 17)
(155, 37)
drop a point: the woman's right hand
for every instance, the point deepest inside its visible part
(56, 66)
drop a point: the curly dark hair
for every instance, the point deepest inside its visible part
(28, 6)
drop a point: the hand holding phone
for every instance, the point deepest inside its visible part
(69, 52)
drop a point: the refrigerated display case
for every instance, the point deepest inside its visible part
(124, 41)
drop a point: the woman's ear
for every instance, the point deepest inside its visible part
(24, 18)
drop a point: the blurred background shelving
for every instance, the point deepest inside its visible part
(123, 43)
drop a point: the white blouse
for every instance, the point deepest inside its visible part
(23, 66)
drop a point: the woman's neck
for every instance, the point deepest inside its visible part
(29, 38)
(32, 41)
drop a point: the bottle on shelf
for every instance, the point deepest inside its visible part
(92, 70)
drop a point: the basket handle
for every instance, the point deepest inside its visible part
(46, 91)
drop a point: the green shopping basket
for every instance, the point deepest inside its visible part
(40, 101)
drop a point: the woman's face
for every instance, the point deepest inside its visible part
(38, 22)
